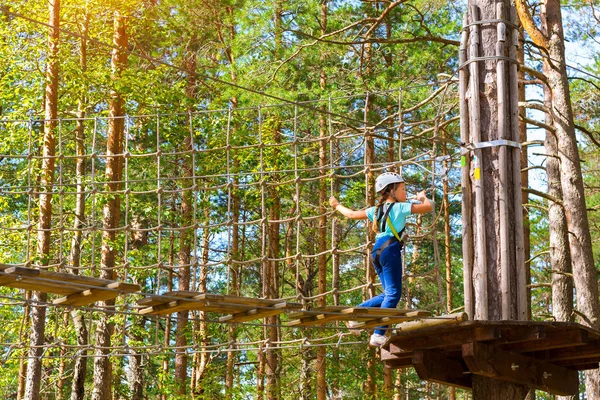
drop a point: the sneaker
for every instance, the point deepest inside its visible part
(377, 340)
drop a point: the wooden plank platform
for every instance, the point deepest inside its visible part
(367, 317)
(522, 352)
(77, 290)
(238, 309)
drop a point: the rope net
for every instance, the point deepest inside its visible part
(231, 201)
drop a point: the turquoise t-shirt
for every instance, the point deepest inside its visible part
(397, 216)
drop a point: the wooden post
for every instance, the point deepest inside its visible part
(481, 311)
(465, 161)
(505, 259)
(521, 272)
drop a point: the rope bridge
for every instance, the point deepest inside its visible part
(252, 179)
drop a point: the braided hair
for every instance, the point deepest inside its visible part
(388, 191)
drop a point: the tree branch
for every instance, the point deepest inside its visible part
(589, 134)
(529, 24)
(544, 195)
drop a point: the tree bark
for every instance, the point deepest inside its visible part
(560, 254)
(112, 212)
(494, 231)
(80, 367)
(38, 309)
(322, 231)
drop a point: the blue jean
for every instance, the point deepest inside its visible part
(389, 271)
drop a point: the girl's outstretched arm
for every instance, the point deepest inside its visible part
(425, 205)
(347, 212)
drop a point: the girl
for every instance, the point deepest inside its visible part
(389, 220)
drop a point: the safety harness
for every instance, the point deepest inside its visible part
(385, 220)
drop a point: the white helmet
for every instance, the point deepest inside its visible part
(385, 179)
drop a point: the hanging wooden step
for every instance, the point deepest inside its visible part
(367, 317)
(541, 355)
(77, 290)
(238, 309)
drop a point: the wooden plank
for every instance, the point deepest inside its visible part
(443, 339)
(386, 355)
(255, 313)
(551, 340)
(36, 285)
(579, 361)
(23, 271)
(436, 367)
(93, 295)
(492, 362)
(359, 312)
(400, 363)
(430, 322)
(385, 312)
(6, 279)
(570, 353)
(519, 334)
(383, 321)
(317, 319)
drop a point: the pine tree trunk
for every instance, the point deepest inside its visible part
(112, 213)
(187, 234)
(322, 230)
(202, 328)
(38, 311)
(235, 219)
(23, 362)
(80, 367)
(580, 242)
(560, 254)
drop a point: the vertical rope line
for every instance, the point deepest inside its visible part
(298, 211)
(194, 266)
(127, 200)
(29, 192)
(400, 130)
(93, 192)
(61, 192)
(334, 254)
(158, 234)
(158, 208)
(93, 217)
(366, 162)
(436, 249)
(127, 227)
(264, 219)
(229, 195)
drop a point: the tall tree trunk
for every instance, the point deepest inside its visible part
(551, 38)
(112, 211)
(560, 254)
(23, 361)
(322, 231)
(202, 326)
(80, 367)
(38, 309)
(235, 215)
(187, 234)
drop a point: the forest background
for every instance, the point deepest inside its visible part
(313, 69)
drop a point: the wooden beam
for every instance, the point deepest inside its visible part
(436, 367)
(551, 340)
(570, 353)
(399, 363)
(443, 339)
(495, 363)
(255, 313)
(450, 319)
